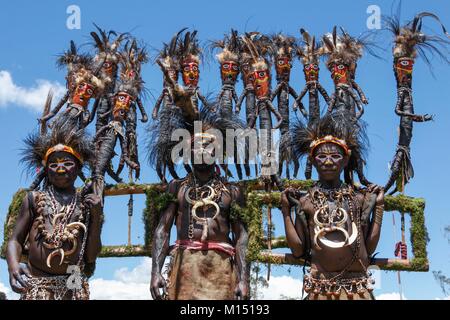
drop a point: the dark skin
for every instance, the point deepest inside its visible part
(219, 230)
(330, 160)
(62, 170)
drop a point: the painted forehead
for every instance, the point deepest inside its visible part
(60, 156)
(329, 148)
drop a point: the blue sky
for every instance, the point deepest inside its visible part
(33, 33)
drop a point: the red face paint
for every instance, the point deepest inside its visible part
(262, 83)
(248, 75)
(340, 73)
(190, 74)
(229, 71)
(108, 68)
(311, 72)
(83, 93)
(403, 70)
(283, 67)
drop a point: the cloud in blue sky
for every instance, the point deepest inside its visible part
(32, 98)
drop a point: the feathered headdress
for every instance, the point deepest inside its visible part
(259, 48)
(283, 45)
(309, 51)
(342, 49)
(131, 60)
(346, 49)
(410, 41)
(160, 144)
(168, 55)
(107, 50)
(80, 68)
(230, 47)
(39, 145)
(189, 48)
(335, 128)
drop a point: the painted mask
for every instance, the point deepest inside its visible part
(229, 71)
(262, 83)
(403, 70)
(83, 92)
(122, 105)
(248, 75)
(311, 71)
(191, 73)
(340, 73)
(108, 68)
(283, 67)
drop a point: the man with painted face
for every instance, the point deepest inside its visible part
(208, 260)
(58, 227)
(336, 227)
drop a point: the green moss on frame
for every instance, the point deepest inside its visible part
(156, 201)
(10, 222)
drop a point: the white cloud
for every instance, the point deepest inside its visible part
(127, 284)
(283, 286)
(390, 296)
(32, 98)
(9, 293)
(135, 283)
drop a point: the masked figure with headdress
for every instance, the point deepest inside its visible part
(259, 47)
(228, 58)
(128, 90)
(170, 116)
(58, 227)
(187, 96)
(408, 42)
(337, 227)
(106, 60)
(283, 52)
(128, 94)
(208, 259)
(309, 54)
(83, 83)
(343, 53)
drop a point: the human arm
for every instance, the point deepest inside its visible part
(160, 245)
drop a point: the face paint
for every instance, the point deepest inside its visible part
(62, 169)
(108, 68)
(121, 105)
(340, 73)
(83, 92)
(262, 83)
(229, 71)
(311, 72)
(203, 151)
(329, 160)
(283, 67)
(403, 70)
(190, 74)
(248, 75)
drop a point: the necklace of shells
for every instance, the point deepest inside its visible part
(202, 197)
(327, 220)
(62, 231)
